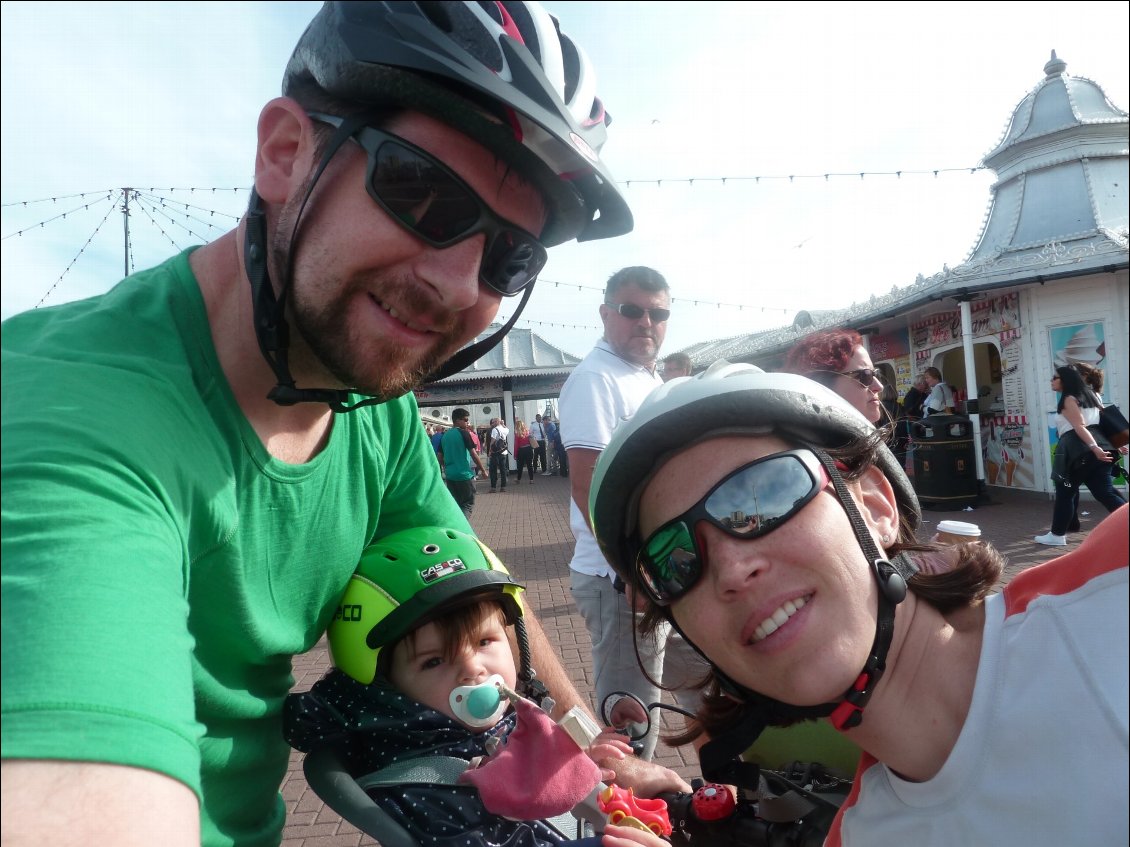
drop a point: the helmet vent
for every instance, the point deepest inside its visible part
(437, 14)
(468, 29)
(572, 63)
(429, 549)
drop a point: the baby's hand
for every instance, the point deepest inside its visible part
(629, 836)
(609, 745)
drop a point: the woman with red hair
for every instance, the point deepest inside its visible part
(837, 359)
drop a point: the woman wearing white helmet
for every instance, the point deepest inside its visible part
(780, 542)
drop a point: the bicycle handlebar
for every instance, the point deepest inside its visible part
(741, 827)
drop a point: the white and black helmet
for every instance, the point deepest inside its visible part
(503, 73)
(725, 399)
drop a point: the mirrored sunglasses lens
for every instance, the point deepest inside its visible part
(669, 563)
(759, 498)
(633, 312)
(512, 261)
(630, 311)
(422, 195)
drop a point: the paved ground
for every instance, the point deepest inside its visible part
(529, 529)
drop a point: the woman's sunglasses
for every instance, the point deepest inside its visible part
(427, 198)
(863, 376)
(750, 502)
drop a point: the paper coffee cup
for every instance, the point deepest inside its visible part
(956, 532)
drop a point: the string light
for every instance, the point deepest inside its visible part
(682, 301)
(59, 217)
(155, 202)
(81, 250)
(793, 178)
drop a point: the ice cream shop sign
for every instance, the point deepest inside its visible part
(989, 317)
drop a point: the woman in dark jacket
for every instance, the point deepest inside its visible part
(1083, 456)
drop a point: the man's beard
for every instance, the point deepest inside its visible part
(324, 327)
(645, 359)
(382, 371)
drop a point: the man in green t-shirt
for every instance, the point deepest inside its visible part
(194, 461)
(460, 460)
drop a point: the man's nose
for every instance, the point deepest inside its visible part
(454, 272)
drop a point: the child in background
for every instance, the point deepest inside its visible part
(421, 651)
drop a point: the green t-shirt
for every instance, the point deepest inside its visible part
(160, 568)
(457, 462)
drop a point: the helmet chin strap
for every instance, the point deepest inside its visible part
(272, 330)
(717, 755)
(528, 684)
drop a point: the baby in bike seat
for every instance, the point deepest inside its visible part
(422, 709)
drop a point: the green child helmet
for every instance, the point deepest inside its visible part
(406, 580)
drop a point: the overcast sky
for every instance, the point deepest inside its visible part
(100, 96)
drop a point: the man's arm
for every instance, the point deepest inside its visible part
(582, 462)
(645, 778)
(469, 443)
(550, 671)
(63, 803)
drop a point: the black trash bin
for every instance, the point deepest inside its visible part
(945, 466)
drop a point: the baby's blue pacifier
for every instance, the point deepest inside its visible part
(479, 705)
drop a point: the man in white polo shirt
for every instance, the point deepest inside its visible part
(607, 386)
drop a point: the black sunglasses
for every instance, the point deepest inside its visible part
(429, 200)
(633, 312)
(864, 376)
(748, 503)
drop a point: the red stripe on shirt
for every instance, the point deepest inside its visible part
(1105, 549)
(835, 836)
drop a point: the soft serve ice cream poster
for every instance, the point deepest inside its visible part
(1084, 343)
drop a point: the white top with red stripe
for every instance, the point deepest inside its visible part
(1042, 759)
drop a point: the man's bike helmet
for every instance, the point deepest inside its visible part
(406, 580)
(738, 399)
(503, 74)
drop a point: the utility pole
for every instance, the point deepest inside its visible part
(125, 227)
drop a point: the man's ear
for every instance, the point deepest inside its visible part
(284, 154)
(878, 505)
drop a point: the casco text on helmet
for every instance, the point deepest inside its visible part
(502, 73)
(406, 580)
